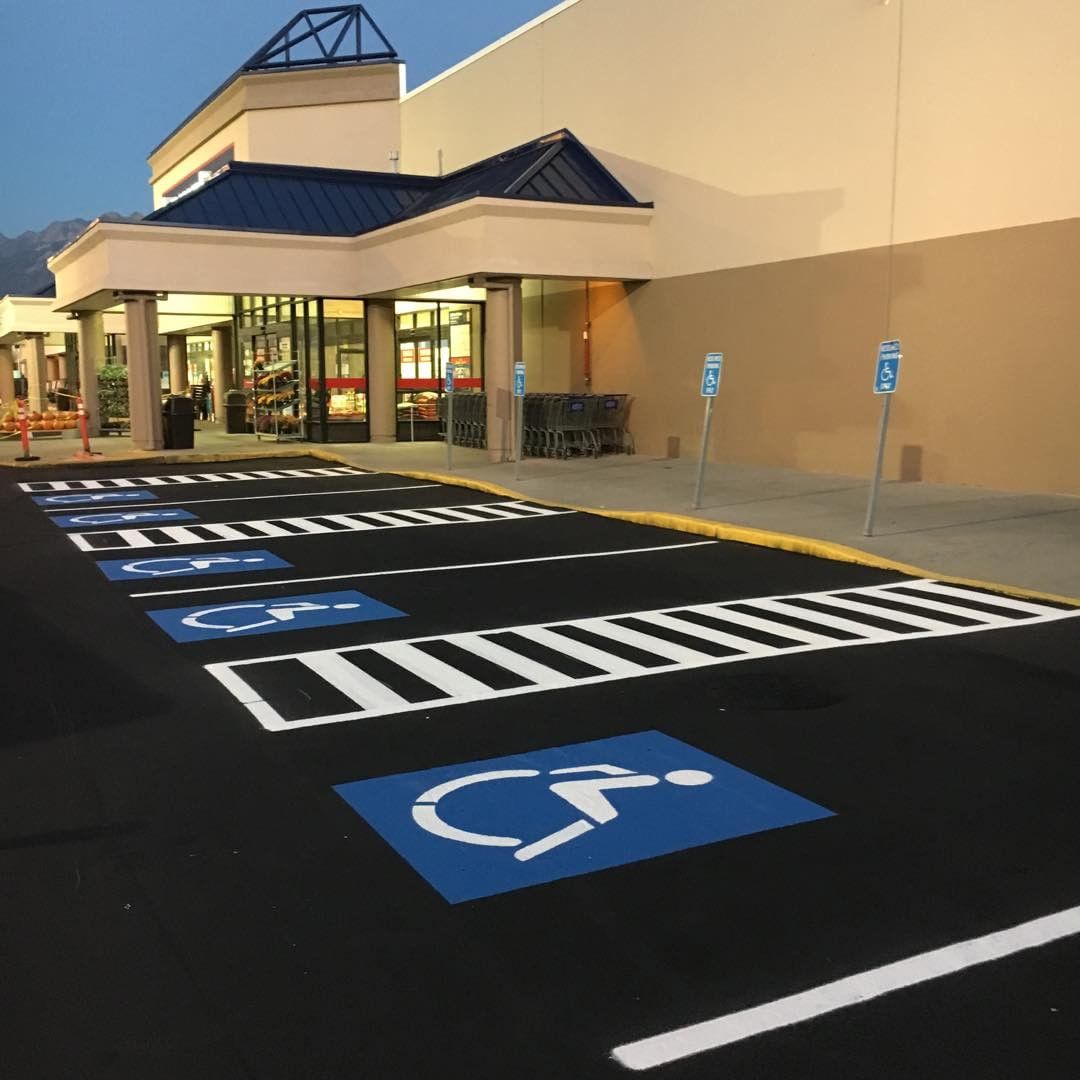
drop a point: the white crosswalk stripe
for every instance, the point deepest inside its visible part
(41, 486)
(403, 676)
(287, 528)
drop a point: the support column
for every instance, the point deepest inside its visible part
(222, 367)
(144, 367)
(91, 332)
(33, 354)
(178, 369)
(7, 375)
(502, 346)
(381, 358)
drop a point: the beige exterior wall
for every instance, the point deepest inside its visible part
(343, 118)
(481, 236)
(765, 131)
(987, 394)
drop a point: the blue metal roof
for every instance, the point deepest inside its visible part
(339, 202)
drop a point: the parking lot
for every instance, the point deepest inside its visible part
(312, 771)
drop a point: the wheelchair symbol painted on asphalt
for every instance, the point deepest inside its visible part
(271, 615)
(567, 811)
(586, 796)
(178, 564)
(98, 497)
(223, 562)
(69, 521)
(280, 612)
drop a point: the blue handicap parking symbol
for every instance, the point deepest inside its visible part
(272, 615)
(494, 826)
(170, 566)
(118, 518)
(94, 498)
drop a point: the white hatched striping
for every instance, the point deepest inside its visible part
(404, 676)
(38, 486)
(287, 527)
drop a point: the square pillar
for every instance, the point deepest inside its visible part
(91, 332)
(381, 359)
(144, 367)
(7, 375)
(33, 355)
(178, 367)
(502, 346)
(222, 367)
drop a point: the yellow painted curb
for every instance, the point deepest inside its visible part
(741, 534)
(716, 530)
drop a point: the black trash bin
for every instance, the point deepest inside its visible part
(235, 412)
(178, 422)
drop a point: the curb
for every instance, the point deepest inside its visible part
(716, 530)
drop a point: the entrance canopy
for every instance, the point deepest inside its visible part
(548, 208)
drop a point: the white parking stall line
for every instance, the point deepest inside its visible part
(263, 498)
(429, 569)
(545, 654)
(843, 993)
(706, 633)
(117, 540)
(768, 626)
(432, 670)
(39, 487)
(882, 612)
(958, 592)
(658, 646)
(364, 690)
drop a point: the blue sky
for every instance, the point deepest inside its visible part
(90, 87)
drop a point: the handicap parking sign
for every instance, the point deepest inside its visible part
(172, 566)
(119, 518)
(270, 615)
(489, 827)
(94, 498)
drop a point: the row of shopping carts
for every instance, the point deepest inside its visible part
(555, 425)
(561, 425)
(470, 418)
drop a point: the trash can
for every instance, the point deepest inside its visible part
(178, 422)
(235, 412)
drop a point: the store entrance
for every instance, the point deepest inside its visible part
(430, 336)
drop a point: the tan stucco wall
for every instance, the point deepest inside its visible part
(343, 117)
(553, 319)
(481, 236)
(987, 395)
(353, 135)
(765, 131)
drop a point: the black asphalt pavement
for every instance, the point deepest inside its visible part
(798, 771)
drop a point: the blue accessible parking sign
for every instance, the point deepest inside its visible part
(494, 826)
(272, 615)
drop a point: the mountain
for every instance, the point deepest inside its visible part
(22, 258)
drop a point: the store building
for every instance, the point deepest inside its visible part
(787, 182)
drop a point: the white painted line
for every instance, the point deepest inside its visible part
(260, 498)
(432, 670)
(777, 629)
(902, 618)
(367, 692)
(168, 480)
(430, 570)
(677, 654)
(570, 646)
(995, 599)
(853, 990)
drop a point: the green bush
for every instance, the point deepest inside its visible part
(113, 390)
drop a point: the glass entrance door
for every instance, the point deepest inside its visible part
(431, 335)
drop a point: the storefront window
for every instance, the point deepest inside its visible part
(430, 336)
(271, 360)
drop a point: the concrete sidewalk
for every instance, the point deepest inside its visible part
(1029, 541)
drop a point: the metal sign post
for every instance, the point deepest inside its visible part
(519, 415)
(886, 376)
(448, 376)
(710, 387)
